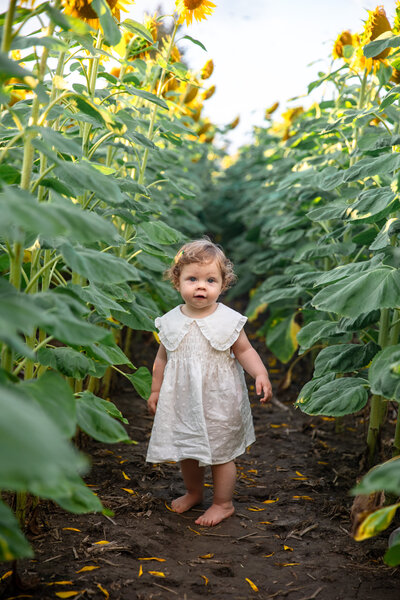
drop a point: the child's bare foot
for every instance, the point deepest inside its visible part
(184, 503)
(215, 514)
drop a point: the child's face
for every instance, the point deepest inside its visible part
(200, 285)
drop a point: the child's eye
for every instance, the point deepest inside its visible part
(192, 278)
(211, 280)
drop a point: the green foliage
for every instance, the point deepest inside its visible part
(100, 180)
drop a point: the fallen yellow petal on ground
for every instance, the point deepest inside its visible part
(252, 585)
(70, 529)
(168, 507)
(153, 558)
(194, 531)
(87, 568)
(288, 548)
(140, 571)
(302, 498)
(207, 555)
(128, 490)
(205, 579)
(255, 508)
(70, 594)
(265, 522)
(125, 476)
(7, 574)
(156, 573)
(60, 583)
(106, 594)
(300, 474)
(268, 555)
(270, 501)
(102, 542)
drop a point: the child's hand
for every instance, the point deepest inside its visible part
(263, 386)
(152, 402)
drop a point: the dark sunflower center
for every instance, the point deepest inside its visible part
(192, 4)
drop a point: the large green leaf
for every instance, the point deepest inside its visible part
(136, 316)
(108, 24)
(141, 381)
(374, 523)
(384, 477)
(364, 292)
(383, 239)
(343, 271)
(108, 406)
(33, 454)
(281, 337)
(161, 233)
(344, 358)
(58, 318)
(86, 176)
(101, 267)
(336, 398)
(138, 29)
(317, 331)
(368, 167)
(386, 40)
(67, 361)
(108, 352)
(372, 205)
(52, 220)
(383, 373)
(13, 544)
(56, 399)
(79, 498)
(96, 421)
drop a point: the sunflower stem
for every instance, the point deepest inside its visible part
(7, 31)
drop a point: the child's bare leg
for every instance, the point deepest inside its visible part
(193, 477)
(224, 479)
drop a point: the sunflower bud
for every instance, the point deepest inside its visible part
(207, 70)
(208, 93)
(271, 109)
(234, 123)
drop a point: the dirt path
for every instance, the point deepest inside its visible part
(288, 539)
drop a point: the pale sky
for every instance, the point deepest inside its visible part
(262, 50)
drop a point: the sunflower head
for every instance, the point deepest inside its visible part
(269, 111)
(344, 39)
(207, 70)
(234, 123)
(82, 10)
(199, 9)
(376, 24)
(208, 93)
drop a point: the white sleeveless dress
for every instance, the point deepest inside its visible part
(203, 410)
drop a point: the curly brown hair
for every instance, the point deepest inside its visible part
(201, 251)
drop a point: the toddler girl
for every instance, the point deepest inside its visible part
(198, 394)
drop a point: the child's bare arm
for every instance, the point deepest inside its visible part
(158, 374)
(251, 362)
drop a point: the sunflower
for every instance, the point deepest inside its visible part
(344, 39)
(208, 93)
(376, 24)
(271, 109)
(207, 70)
(199, 9)
(234, 123)
(82, 10)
